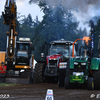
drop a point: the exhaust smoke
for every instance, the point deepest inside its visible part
(83, 10)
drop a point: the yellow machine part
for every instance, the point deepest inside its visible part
(22, 67)
(26, 67)
(2, 57)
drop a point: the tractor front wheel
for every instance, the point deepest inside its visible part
(38, 72)
(67, 83)
(90, 84)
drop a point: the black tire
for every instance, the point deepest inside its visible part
(90, 84)
(38, 73)
(96, 78)
(68, 72)
(62, 74)
(67, 83)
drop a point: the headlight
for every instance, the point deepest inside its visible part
(81, 73)
(83, 63)
(78, 73)
(13, 63)
(74, 73)
(75, 63)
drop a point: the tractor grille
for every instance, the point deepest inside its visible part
(52, 62)
(80, 68)
(51, 71)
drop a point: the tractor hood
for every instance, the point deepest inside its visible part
(56, 56)
(80, 59)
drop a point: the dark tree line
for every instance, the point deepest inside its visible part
(3, 31)
(54, 26)
(24, 27)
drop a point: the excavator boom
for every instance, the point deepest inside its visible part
(9, 15)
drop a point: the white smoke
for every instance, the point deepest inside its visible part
(83, 10)
(80, 5)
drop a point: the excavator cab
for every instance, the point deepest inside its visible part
(23, 53)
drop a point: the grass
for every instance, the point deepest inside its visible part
(7, 84)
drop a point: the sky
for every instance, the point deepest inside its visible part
(24, 8)
(87, 9)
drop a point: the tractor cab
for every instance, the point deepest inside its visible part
(23, 53)
(62, 48)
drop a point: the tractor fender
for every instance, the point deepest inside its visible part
(95, 62)
(72, 63)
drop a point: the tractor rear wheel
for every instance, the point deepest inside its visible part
(90, 84)
(67, 83)
(62, 74)
(96, 77)
(38, 72)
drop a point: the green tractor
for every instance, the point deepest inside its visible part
(84, 69)
(79, 72)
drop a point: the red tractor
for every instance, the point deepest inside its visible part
(54, 61)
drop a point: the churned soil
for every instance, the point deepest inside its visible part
(38, 92)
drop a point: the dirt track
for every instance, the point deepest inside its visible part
(38, 92)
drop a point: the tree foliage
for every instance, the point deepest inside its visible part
(55, 25)
(25, 28)
(3, 31)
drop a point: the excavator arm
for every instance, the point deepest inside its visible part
(9, 15)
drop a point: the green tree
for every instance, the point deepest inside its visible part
(54, 26)
(25, 28)
(3, 31)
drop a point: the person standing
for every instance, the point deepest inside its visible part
(2, 72)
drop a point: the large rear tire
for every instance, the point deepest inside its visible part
(62, 73)
(96, 77)
(38, 72)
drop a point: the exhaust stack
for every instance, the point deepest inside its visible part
(92, 38)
